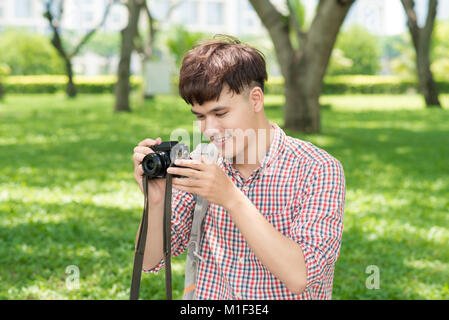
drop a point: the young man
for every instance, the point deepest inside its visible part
(274, 224)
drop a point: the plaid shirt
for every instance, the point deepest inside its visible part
(300, 189)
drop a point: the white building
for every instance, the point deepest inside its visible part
(79, 15)
(234, 17)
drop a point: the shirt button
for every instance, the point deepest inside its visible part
(238, 295)
(241, 260)
(245, 188)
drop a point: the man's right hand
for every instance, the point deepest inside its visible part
(156, 187)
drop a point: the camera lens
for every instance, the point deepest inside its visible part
(152, 165)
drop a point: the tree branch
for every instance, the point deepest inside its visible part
(91, 32)
(430, 21)
(56, 40)
(412, 21)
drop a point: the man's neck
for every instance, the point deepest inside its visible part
(259, 147)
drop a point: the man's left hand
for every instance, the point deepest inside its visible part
(207, 180)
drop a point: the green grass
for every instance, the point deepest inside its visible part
(68, 197)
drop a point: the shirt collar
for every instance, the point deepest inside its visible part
(272, 154)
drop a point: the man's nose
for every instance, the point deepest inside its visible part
(210, 127)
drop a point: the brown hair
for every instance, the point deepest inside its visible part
(213, 63)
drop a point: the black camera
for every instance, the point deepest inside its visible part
(155, 164)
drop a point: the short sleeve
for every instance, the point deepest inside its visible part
(183, 205)
(318, 224)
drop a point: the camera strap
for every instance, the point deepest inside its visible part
(143, 231)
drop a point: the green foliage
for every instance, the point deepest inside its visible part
(297, 8)
(68, 197)
(297, 14)
(106, 44)
(440, 50)
(4, 71)
(180, 40)
(358, 46)
(403, 64)
(29, 53)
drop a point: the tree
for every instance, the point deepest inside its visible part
(303, 67)
(55, 18)
(421, 37)
(129, 35)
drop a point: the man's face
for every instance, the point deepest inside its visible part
(229, 122)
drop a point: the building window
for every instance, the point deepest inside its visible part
(189, 12)
(23, 8)
(215, 13)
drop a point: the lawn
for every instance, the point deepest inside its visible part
(68, 197)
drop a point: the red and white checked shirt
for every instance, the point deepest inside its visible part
(300, 189)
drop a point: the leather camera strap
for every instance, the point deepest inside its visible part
(140, 247)
(167, 237)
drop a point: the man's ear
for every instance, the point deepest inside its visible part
(256, 99)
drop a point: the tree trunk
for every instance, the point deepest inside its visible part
(71, 89)
(421, 37)
(427, 85)
(304, 68)
(122, 88)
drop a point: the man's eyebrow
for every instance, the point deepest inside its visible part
(213, 110)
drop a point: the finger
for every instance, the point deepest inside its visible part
(139, 171)
(186, 189)
(143, 150)
(193, 164)
(186, 172)
(186, 182)
(138, 157)
(150, 142)
(139, 154)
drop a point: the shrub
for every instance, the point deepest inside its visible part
(361, 84)
(54, 83)
(29, 53)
